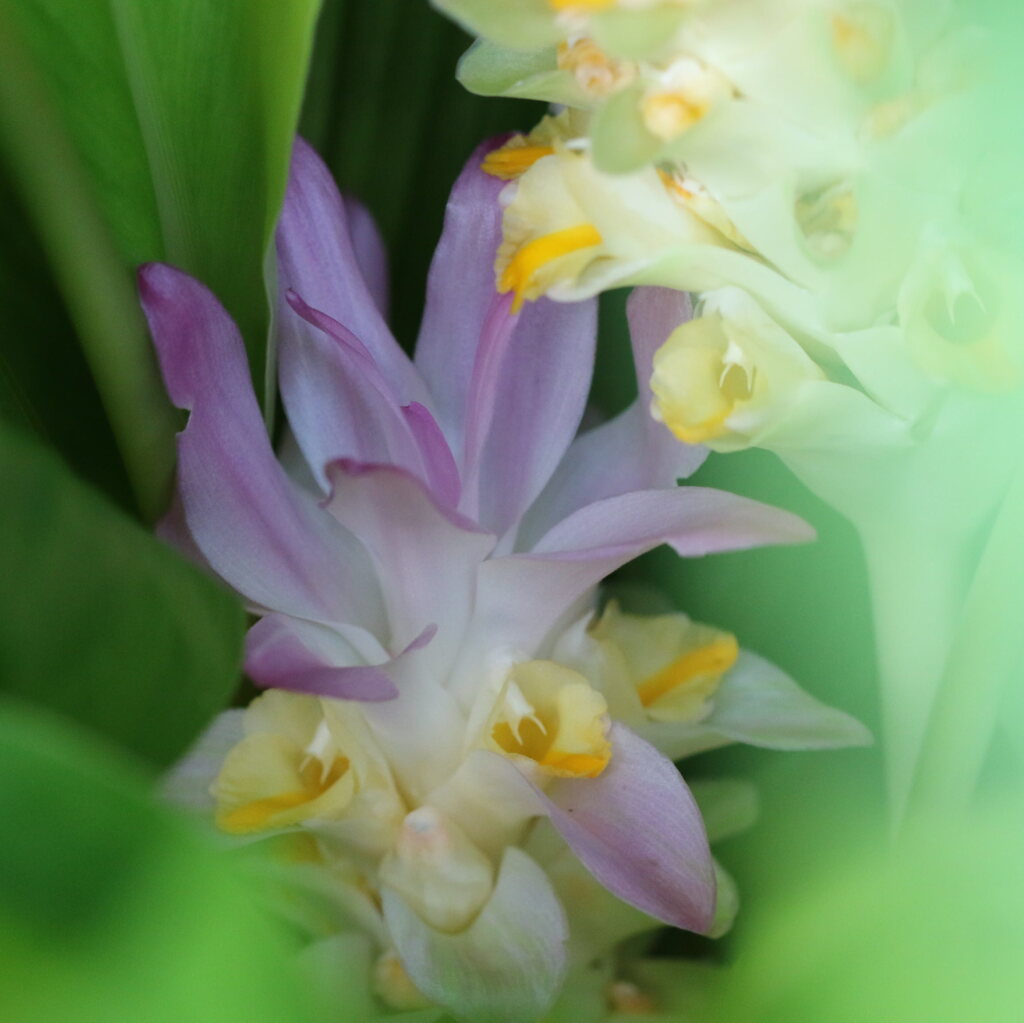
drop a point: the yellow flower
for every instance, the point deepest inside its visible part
(862, 37)
(565, 220)
(289, 773)
(960, 308)
(728, 374)
(303, 761)
(551, 716)
(674, 664)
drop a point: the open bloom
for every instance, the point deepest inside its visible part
(431, 531)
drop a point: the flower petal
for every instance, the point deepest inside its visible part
(442, 474)
(339, 403)
(637, 829)
(535, 408)
(758, 704)
(463, 266)
(240, 509)
(414, 542)
(287, 653)
(316, 258)
(506, 967)
(187, 784)
(509, 389)
(692, 520)
(368, 246)
(530, 592)
(423, 730)
(632, 451)
(727, 902)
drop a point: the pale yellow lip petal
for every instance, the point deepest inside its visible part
(551, 716)
(305, 788)
(712, 659)
(673, 664)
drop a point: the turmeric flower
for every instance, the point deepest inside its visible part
(429, 533)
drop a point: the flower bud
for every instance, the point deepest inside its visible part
(438, 870)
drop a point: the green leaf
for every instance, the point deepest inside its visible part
(45, 383)
(112, 908)
(92, 277)
(928, 931)
(727, 805)
(101, 621)
(148, 131)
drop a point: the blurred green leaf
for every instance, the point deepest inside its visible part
(148, 131)
(45, 383)
(928, 931)
(93, 278)
(806, 607)
(112, 908)
(387, 114)
(100, 620)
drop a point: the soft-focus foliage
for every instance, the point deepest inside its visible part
(112, 908)
(99, 620)
(155, 131)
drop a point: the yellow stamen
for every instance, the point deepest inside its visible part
(712, 659)
(513, 161)
(534, 255)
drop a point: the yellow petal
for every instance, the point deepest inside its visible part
(687, 382)
(713, 659)
(552, 716)
(529, 259)
(269, 782)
